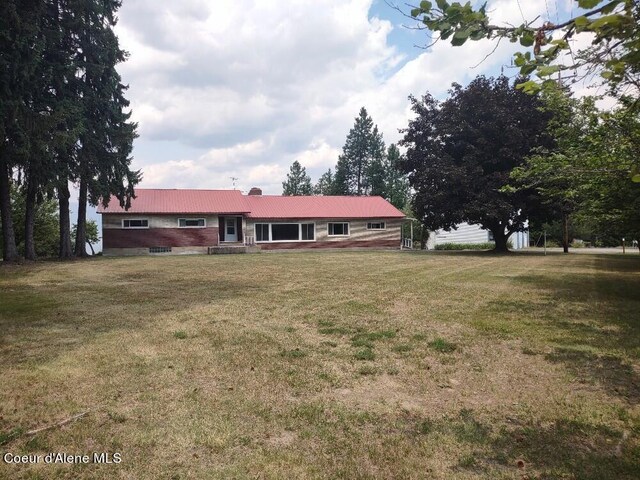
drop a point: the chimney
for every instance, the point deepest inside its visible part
(255, 191)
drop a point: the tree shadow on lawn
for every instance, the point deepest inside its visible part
(562, 448)
(40, 323)
(601, 314)
(617, 377)
(568, 449)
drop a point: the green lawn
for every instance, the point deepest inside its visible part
(325, 365)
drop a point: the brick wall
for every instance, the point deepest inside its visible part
(342, 244)
(159, 237)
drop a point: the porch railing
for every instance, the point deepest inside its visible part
(249, 240)
(407, 243)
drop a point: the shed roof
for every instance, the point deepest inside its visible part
(185, 201)
(167, 201)
(276, 206)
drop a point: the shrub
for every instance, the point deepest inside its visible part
(470, 246)
(466, 246)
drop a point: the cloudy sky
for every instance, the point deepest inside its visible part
(235, 88)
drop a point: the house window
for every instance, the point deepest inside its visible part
(308, 231)
(376, 226)
(490, 236)
(282, 232)
(338, 229)
(285, 232)
(262, 232)
(192, 222)
(159, 249)
(135, 223)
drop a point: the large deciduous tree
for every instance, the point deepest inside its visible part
(461, 152)
(612, 28)
(585, 173)
(557, 173)
(609, 29)
(363, 149)
(298, 182)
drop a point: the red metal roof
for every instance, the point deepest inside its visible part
(275, 206)
(155, 200)
(177, 201)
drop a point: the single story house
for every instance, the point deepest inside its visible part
(193, 221)
(472, 233)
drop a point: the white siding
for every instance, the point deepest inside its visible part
(467, 233)
(111, 220)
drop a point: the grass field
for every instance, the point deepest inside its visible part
(325, 365)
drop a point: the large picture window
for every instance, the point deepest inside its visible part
(192, 222)
(285, 232)
(336, 229)
(135, 223)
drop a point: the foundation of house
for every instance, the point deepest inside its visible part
(237, 248)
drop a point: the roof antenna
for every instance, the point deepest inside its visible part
(233, 181)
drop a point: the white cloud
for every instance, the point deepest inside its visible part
(253, 86)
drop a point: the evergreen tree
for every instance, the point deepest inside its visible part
(62, 112)
(107, 137)
(20, 52)
(92, 234)
(45, 224)
(55, 118)
(386, 180)
(325, 185)
(362, 151)
(298, 182)
(341, 177)
(396, 182)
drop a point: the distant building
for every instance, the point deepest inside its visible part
(472, 233)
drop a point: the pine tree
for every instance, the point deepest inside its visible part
(363, 147)
(106, 141)
(396, 182)
(341, 177)
(19, 56)
(325, 185)
(298, 182)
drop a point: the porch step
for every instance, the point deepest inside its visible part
(224, 249)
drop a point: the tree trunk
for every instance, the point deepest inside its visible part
(81, 226)
(565, 233)
(30, 220)
(9, 249)
(501, 240)
(65, 251)
(424, 238)
(93, 252)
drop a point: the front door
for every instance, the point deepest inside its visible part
(230, 234)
